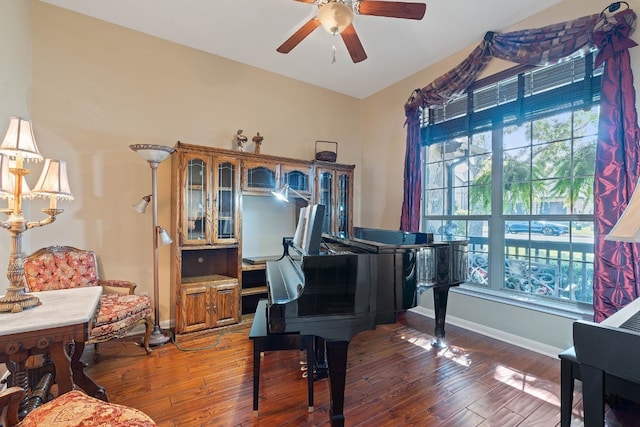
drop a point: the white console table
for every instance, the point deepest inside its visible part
(64, 317)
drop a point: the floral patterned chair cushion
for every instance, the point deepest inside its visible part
(72, 409)
(63, 267)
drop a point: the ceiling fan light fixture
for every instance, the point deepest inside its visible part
(335, 17)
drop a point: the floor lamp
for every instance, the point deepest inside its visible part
(154, 155)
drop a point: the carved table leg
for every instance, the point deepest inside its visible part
(81, 378)
(64, 377)
(337, 360)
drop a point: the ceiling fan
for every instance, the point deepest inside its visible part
(336, 16)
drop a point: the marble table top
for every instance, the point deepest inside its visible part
(61, 307)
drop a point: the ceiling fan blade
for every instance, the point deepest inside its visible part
(298, 36)
(392, 9)
(352, 41)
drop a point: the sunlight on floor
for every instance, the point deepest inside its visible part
(420, 341)
(540, 389)
(455, 354)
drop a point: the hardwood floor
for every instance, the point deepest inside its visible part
(394, 378)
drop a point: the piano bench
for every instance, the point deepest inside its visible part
(264, 341)
(570, 371)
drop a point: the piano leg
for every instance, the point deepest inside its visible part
(337, 360)
(593, 395)
(440, 297)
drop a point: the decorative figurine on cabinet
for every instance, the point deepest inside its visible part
(239, 140)
(257, 141)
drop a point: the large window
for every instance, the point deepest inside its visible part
(509, 166)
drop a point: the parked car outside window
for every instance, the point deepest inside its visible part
(543, 227)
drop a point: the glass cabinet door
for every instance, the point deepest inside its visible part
(226, 201)
(325, 197)
(343, 205)
(298, 178)
(196, 225)
(335, 191)
(260, 177)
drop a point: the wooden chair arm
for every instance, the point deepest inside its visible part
(10, 398)
(121, 287)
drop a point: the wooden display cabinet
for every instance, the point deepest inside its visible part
(210, 286)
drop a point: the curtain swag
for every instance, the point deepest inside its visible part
(616, 264)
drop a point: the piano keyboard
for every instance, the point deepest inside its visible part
(632, 323)
(624, 314)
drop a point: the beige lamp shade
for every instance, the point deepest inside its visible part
(53, 181)
(19, 141)
(164, 237)
(335, 17)
(142, 204)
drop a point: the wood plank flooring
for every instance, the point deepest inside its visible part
(394, 378)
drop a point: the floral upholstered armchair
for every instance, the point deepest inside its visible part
(72, 409)
(63, 267)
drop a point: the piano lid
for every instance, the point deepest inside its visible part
(393, 237)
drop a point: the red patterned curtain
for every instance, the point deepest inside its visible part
(616, 264)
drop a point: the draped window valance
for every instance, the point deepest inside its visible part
(617, 264)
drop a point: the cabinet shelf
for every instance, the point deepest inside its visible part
(254, 291)
(208, 279)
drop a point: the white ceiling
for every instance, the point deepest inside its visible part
(249, 31)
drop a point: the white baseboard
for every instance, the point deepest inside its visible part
(519, 341)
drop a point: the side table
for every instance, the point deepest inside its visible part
(64, 317)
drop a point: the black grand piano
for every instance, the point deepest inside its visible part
(333, 288)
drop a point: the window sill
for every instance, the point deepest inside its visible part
(569, 310)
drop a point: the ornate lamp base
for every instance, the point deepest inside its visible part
(16, 300)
